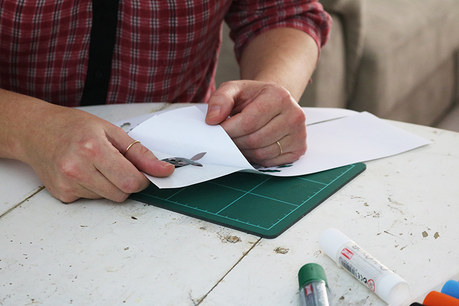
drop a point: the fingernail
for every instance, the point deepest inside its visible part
(166, 164)
(214, 111)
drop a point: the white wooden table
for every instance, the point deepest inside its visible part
(404, 210)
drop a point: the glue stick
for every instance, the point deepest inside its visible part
(390, 287)
(313, 285)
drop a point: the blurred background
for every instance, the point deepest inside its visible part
(397, 59)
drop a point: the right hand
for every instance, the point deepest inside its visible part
(78, 155)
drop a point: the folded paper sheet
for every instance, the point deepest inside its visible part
(313, 115)
(183, 133)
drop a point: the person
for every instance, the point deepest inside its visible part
(55, 55)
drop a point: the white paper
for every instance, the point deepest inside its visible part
(313, 115)
(184, 133)
(320, 114)
(331, 143)
(357, 138)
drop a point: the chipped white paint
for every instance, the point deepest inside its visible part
(18, 183)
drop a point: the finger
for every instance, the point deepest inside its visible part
(252, 118)
(283, 159)
(107, 166)
(147, 162)
(101, 187)
(137, 155)
(71, 196)
(275, 154)
(285, 145)
(84, 183)
(110, 192)
(266, 104)
(221, 103)
(268, 134)
(231, 98)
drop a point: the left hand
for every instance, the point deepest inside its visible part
(266, 123)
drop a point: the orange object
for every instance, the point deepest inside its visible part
(436, 298)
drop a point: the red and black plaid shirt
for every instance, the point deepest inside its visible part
(164, 51)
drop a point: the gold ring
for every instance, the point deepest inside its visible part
(129, 146)
(280, 147)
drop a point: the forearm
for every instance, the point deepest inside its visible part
(285, 56)
(17, 119)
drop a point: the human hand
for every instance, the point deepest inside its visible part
(78, 155)
(266, 123)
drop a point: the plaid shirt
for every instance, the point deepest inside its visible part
(164, 51)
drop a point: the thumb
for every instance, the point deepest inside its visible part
(144, 160)
(221, 103)
(140, 156)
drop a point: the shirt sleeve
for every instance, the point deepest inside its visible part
(249, 18)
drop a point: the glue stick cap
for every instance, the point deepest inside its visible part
(311, 272)
(393, 289)
(451, 288)
(331, 241)
(435, 298)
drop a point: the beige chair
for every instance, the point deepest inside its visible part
(397, 59)
(334, 78)
(401, 64)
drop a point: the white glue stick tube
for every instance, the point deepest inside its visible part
(346, 253)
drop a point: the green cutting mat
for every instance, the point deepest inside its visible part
(258, 204)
